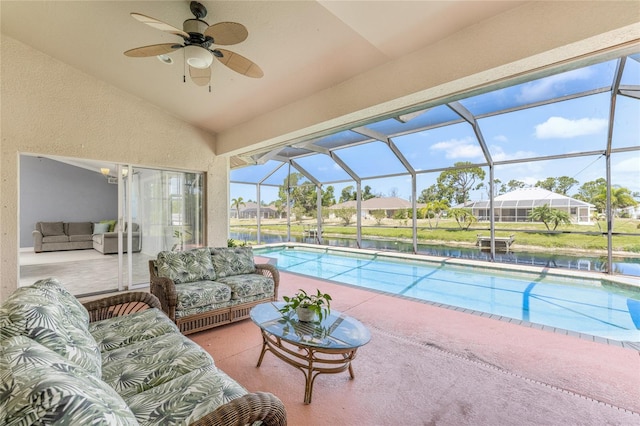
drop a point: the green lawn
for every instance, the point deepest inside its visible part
(571, 237)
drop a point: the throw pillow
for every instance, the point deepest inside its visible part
(50, 229)
(112, 224)
(186, 266)
(100, 228)
(229, 261)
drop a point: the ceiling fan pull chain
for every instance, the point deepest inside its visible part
(209, 88)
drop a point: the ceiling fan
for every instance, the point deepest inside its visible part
(198, 38)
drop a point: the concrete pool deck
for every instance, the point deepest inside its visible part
(428, 364)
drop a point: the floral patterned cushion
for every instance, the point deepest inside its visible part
(121, 331)
(39, 315)
(39, 386)
(186, 266)
(248, 285)
(229, 261)
(142, 365)
(201, 293)
(185, 399)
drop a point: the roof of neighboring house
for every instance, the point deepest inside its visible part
(377, 203)
(529, 197)
(250, 205)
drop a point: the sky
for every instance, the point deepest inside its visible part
(571, 126)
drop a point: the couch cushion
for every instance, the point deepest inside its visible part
(54, 290)
(140, 366)
(185, 266)
(51, 228)
(121, 331)
(41, 387)
(79, 228)
(56, 239)
(229, 261)
(33, 313)
(248, 285)
(186, 398)
(79, 237)
(201, 293)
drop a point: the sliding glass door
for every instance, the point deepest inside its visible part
(116, 217)
(166, 208)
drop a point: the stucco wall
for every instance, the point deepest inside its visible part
(50, 108)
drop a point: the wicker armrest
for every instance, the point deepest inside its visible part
(247, 409)
(120, 304)
(164, 289)
(270, 271)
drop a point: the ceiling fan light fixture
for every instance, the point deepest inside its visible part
(198, 57)
(165, 59)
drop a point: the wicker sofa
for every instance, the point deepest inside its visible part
(115, 361)
(208, 287)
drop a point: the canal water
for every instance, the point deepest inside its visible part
(621, 265)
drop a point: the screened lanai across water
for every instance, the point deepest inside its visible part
(578, 124)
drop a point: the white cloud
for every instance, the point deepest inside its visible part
(559, 127)
(459, 148)
(549, 86)
(500, 138)
(498, 154)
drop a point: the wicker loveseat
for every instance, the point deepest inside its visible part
(114, 361)
(206, 287)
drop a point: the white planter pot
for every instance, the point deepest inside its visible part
(305, 314)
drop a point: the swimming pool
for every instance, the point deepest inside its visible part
(589, 306)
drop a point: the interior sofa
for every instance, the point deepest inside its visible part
(207, 287)
(55, 236)
(117, 361)
(107, 242)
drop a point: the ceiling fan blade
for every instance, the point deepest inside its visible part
(153, 50)
(200, 76)
(240, 64)
(159, 25)
(226, 33)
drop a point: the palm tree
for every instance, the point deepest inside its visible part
(541, 214)
(620, 197)
(236, 203)
(559, 217)
(434, 209)
(547, 215)
(463, 216)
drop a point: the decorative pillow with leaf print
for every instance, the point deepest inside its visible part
(41, 387)
(229, 261)
(186, 266)
(32, 313)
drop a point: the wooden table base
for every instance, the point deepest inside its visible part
(311, 360)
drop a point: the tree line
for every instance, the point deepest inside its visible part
(452, 187)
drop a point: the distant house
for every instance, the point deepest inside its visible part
(390, 205)
(516, 205)
(249, 210)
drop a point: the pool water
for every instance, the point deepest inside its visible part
(592, 307)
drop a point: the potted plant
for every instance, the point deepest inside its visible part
(308, 306)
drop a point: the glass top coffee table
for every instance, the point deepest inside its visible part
(314, 348)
